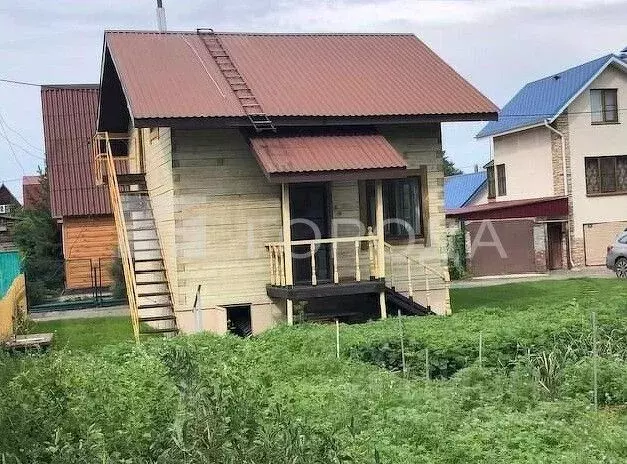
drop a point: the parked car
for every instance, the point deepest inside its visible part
(616, 259)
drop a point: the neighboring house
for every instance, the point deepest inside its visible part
(247, 151)
(570, 126)
(465, 190)
(8, 206)
(82, 208)
(31, 192)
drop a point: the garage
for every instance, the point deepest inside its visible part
(597, 237)
(500, 247)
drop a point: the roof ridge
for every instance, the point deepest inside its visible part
(71, 86)
(270, 34)
(551, 76)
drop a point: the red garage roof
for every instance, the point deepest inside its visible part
(323, 157)
(533, 207)
(69, 116)
(173, 75)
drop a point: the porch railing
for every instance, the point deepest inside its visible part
(276, 253)
(409, 275)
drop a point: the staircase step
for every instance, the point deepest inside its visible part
(156, 282)
(153, 294)
(157, 318)
(143, 239)
(148, 260)
(139, 229)
(135, 192)
(148, 271)
(158, 331)
(154, 305)
(131, 179)
(140, 219)
(147, 249)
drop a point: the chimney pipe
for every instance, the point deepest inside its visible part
(476, 168)
(161, 25)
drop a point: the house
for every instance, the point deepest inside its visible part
(559, 171)
(8, 207)
(278, 177)
(82, 209)
(32, 192)
(465, 189)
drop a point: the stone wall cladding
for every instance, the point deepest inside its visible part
(561, 124)
(539, 245)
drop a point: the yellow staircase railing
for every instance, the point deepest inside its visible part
(106, 169)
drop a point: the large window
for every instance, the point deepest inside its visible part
(501, 181)
(606, 174)
(604, 105)
(402, 209)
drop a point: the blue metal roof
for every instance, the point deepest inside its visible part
(459, 189)
(543, 99)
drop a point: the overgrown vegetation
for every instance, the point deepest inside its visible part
(37, 236)
(284, 397)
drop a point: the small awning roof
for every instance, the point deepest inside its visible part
(327, 157)
(549, 207)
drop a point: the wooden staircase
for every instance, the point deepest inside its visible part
(147, 286)
(396, 301)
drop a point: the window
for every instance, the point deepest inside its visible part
(402, 210)
(491, 182)
(604, 106)
(606, 174)
(5, 209)
(500, 177)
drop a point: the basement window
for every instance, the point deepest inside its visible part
(239, 321)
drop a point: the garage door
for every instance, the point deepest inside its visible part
(501, 247)
(596, 239)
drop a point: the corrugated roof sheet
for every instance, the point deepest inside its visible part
(544, 98)
(545, 206)
(69, 117)
(458, 190)
(324, 153)
(6, 197)
(172, 75)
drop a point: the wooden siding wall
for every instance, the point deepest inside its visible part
(85, 242)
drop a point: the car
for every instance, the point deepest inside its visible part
(616, 259)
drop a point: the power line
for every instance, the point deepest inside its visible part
(10, 81)
(4, 132)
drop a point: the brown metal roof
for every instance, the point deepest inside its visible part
(31, 191)
(172, 75)
(532, 207)
(282, 157)
(69, 117)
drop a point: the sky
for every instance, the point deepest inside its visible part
(497, 45)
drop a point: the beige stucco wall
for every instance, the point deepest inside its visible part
(527, 159)
(587, 139)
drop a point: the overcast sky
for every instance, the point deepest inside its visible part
(498, 45)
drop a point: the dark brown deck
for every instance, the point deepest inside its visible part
(322, 290)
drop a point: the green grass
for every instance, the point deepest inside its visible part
(87, 334)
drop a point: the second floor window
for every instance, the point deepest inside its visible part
(501, 181)
(606, 174)
(604, 106)
(491, 181)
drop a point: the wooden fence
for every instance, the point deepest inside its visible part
(11, 304)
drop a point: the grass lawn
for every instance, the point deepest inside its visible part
(91, 334)
(87, 334)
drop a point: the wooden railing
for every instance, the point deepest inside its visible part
(276, 252)
(105, 166)
(413, 273)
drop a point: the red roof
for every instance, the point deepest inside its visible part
(69, 116)
(172, 75)
(532, 207)
(31, 191)
(281, 156)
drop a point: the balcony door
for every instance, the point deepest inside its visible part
(310, 213)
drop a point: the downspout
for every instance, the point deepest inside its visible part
(565, 180)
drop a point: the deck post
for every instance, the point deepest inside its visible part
(287, 247)
(380, 244)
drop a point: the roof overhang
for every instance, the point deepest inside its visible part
(322, 158)
(547, 207)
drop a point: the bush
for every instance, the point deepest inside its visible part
(612, 381)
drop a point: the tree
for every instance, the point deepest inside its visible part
(449, 167)
(37, 237)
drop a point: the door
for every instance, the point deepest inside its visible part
(554, 240)
(309, 210)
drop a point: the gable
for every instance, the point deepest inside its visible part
(6, 197)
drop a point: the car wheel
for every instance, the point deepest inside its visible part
(621, 268)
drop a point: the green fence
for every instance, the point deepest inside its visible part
(9, 269)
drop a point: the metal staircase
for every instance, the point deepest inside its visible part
(258, 118)
(147, 285)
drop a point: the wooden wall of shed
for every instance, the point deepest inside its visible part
(88, 242)
(225, 212)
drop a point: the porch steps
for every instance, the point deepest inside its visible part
(408, 307)
(249, 103)
(153, 297)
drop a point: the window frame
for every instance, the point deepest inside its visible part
(501, 180)
(604, 111)
(602, 192)
(369, 195)
(491, 182)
